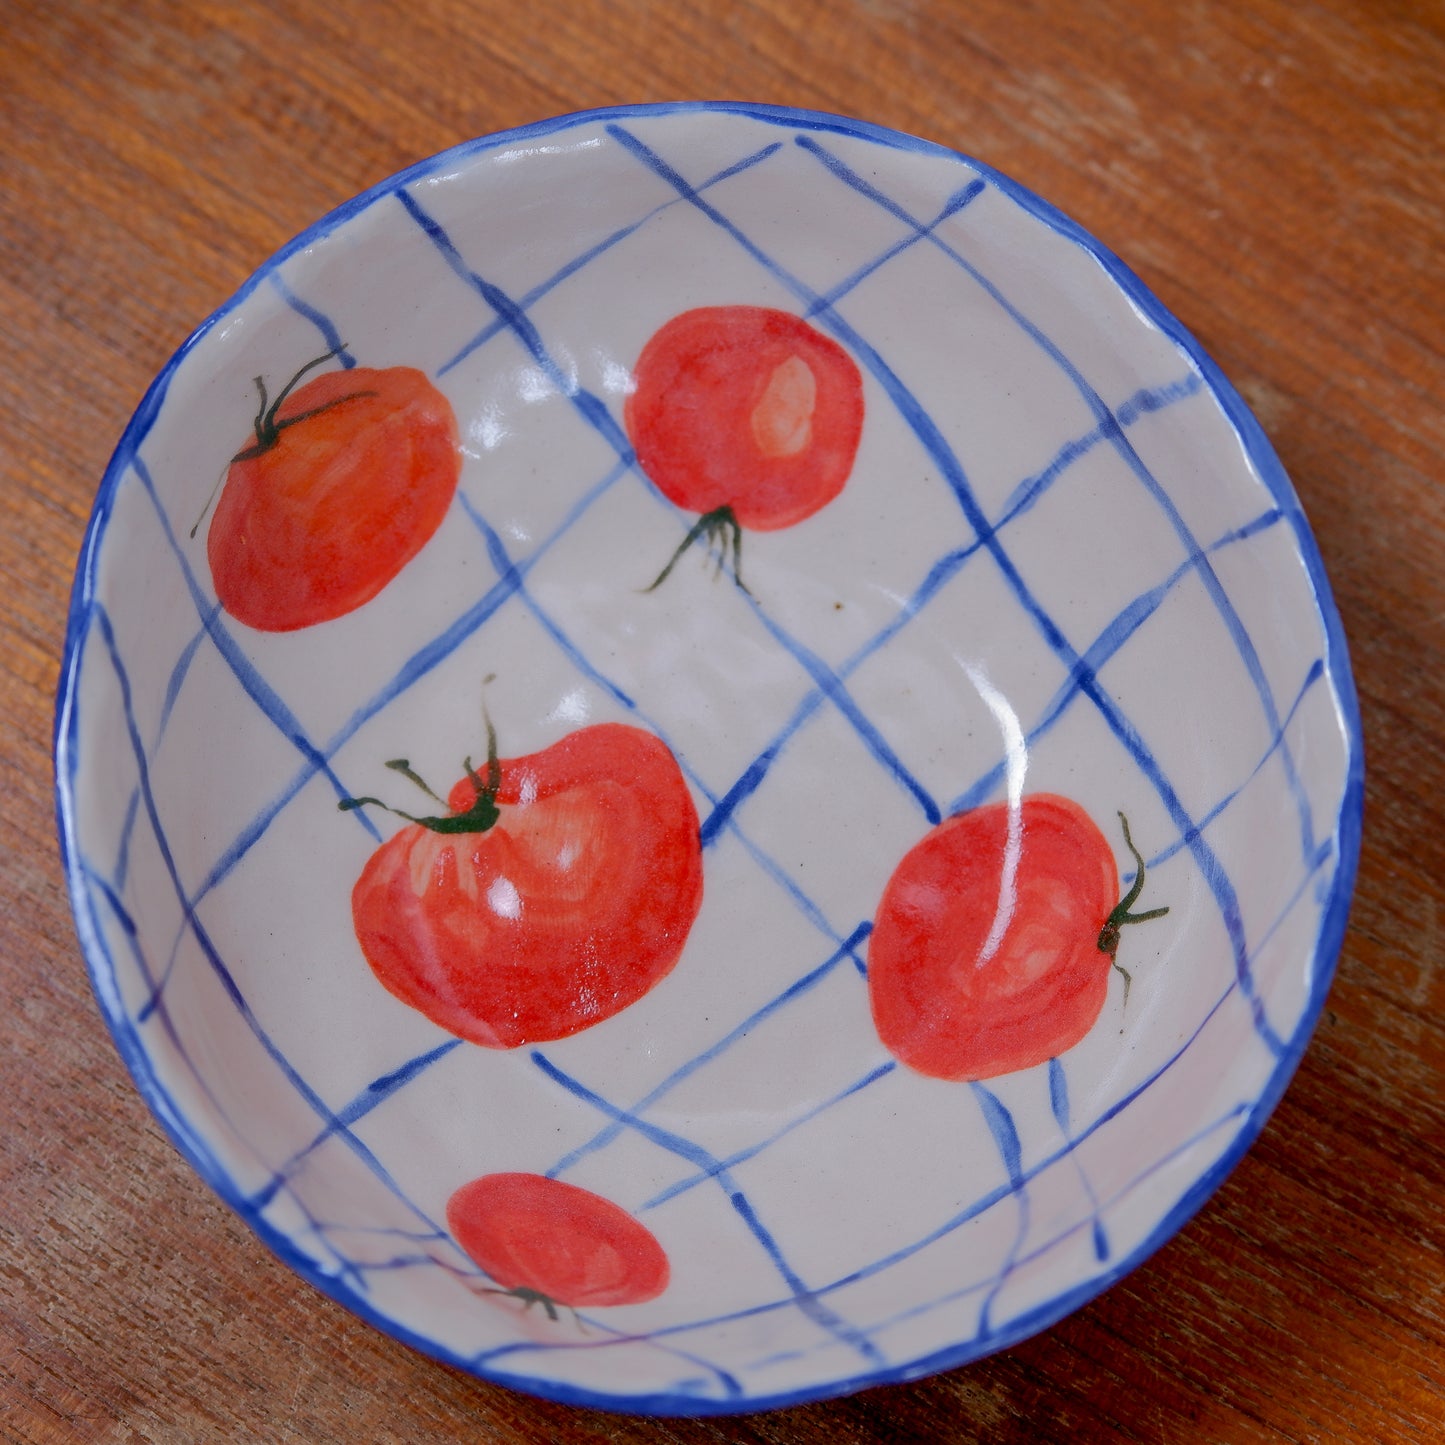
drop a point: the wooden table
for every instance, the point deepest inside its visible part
(1275, 172)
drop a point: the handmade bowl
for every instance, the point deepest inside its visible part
(892, 774)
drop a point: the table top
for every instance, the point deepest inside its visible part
(1272, 171)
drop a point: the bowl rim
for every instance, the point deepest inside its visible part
(1346, 829)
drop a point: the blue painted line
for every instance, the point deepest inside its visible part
(592, 407)
(1059, 1104)
(878, 1327)
(940, 574)
(774, 870)
(1059, 1095)
(322, 322)
(208, 948)
(172, 1122)
(595, 412)
(933, 441)
(832, 687)
(1118, 631)
(795, 990)
(696, 1155)
(252, 683)
(530, 298)
(127, 829)
(742, 1156)
(731, 1387)
(1314, 675)
(1006, 1140)
(1224, 605)
(375, 1094)
(951, 208)
(182, 668)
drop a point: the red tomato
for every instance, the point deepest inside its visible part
(349, 476)
(557, 891)
(746, 415)
(969, 979)
(543, 1240)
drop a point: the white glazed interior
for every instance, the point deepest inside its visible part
(831, 1218)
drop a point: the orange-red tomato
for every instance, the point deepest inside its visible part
(348, 477)
(978, 967)
(559, 889)
(746, 408)
(544, 1240)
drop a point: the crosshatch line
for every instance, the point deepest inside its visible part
(412, 671)
(940, 574)
(129, 1038)
(530, 298)
(741, 1156)
(805, 984)
(986, 1201)
(318, 319)
(695, 1154)
(1059, 1107)
(1224, 605)
(1110, 641)
(101, 623)
(1279, 732)
(584, 402)
(1010, 1150)
(1239, 1111)
(929, 435)
(596, 413)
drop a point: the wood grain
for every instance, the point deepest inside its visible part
(1273, 171)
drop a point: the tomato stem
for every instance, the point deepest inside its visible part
(1109, 933)
(478, 818)
(722, 533)
(529, 1297)
(268, 430)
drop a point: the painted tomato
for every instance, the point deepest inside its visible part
(746, 415)
(348, 477)
(557, 890)
(546, 1241)
(994, 939)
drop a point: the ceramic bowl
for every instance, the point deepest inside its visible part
(774, 992)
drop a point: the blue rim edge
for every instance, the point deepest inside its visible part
(1347, 831)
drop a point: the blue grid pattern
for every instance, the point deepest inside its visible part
(319, 1244)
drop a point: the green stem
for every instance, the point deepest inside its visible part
(722, 533)
(268, 430)
(1121, 916)
(478, 818)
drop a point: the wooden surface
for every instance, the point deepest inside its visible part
(1275, 172)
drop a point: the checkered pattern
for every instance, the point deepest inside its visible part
(1039, 1215)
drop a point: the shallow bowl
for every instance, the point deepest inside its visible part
(785, 1001)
